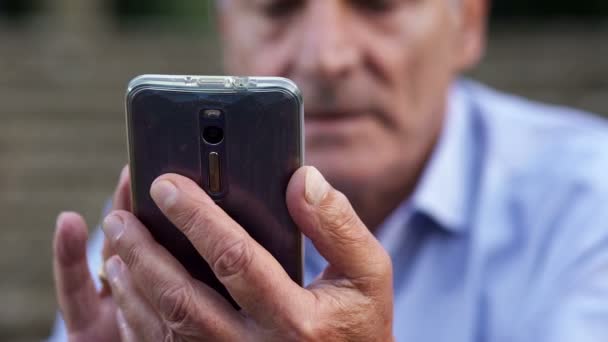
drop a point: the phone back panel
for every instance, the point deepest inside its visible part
(262, 149)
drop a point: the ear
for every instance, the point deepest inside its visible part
(472, 32)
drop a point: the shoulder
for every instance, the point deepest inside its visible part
(542, 208)
(540, 143)
(545, 175)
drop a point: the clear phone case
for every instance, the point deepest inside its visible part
(262, 147)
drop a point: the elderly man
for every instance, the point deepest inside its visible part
(455, 213)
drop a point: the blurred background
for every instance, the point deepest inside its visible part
(64, 66)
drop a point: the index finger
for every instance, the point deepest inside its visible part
(254, 278)
(122, 194)
(180, 300)
(76, 292)
(120, 201)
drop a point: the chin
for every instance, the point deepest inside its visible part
(344, 169)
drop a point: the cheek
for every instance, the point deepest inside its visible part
(415, 59)
(373, 154)
(253, 51)
(272, 58)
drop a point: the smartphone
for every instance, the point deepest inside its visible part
(239, 138)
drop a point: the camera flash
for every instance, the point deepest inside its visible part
(213, 113)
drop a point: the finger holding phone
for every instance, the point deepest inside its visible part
(212, 247)
(220, 202)
(351, 300)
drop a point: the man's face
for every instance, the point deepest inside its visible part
(374, 74)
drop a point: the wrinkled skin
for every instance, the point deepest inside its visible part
(375, 75)
(350, 301)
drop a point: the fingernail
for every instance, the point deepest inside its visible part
(164, 193)
(316, 187)
(113, 227)
(113, 269)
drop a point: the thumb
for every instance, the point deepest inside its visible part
(326, 216)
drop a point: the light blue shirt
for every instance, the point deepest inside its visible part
(506, 235)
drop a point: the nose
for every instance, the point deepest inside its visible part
(328, 48)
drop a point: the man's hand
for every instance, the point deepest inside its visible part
(89, 315)
(351, 301)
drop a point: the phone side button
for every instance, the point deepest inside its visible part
(215, 184)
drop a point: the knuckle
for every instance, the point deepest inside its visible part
(190, 219)
(340, 220)
(385, 266)
(305, 331)
(309, 331)
(233, 259)
(175, 307)
(380, 278)
(132, 255)
(169, 336)
(311, 327)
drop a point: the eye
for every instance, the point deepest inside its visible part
(281, 8)
(376, 6)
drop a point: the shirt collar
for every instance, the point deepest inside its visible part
(445, 190)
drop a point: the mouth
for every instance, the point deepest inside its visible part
(337, 123)
(333, 117)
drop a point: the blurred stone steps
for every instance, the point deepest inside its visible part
(62, 135)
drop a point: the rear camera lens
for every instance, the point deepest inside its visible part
(213, 135)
